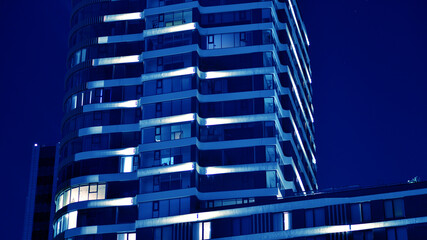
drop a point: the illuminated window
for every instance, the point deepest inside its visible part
(74, 102)
(207, 230)
(81, 101)
(93, 191)
(80, 193)
(72, 220)
(126, 164)
(167, 161)
(84, 191)
(65, 222)
(286, 221)
(126, 236)
(74, 195)
(66, 198)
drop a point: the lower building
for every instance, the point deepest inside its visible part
(39, 198)
(395, 212)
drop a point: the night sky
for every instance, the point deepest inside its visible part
(369, 87)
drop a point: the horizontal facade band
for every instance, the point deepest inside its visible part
(201, 75)
(192, 26)
(206, 10)
(205, 196)
(280, 207)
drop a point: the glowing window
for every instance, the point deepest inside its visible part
(93, 189)
(126, 164)
(126, 236)
(84, 191)
(207, 230)
(72, 220)
(167, 161)
(74, 195)
(286, 221)
(74, 102)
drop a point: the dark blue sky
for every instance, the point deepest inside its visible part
(369, 88)
(368, 60)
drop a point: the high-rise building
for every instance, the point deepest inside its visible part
(175, 107)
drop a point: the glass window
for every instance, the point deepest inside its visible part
(126, 164)
(399, 208)
(207, 230)
(158, 134)
(131, 236)
(391, 234)
(66, 198)
(369, 235)
(271, 179)
(167, 161)
(356, 214)
(270, 153)
(83, 55)
(164, 208)
(74, 102)
(268, 82)
(358, 236)
(176, 132)
(366, 212)
(122, 236)
(60, 201)
(319, 217)
(72, 220)
(126, 236)
(101, 191)
(388, 207)
(268, 105)
(93, 188)
(309, 221)
(227, 40)
(402, 233)
(174, 207)
(156, 209)
(84, 191)
(243, 36)
(74, 195)
(286, 221)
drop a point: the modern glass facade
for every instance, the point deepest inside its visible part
(178, 107)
